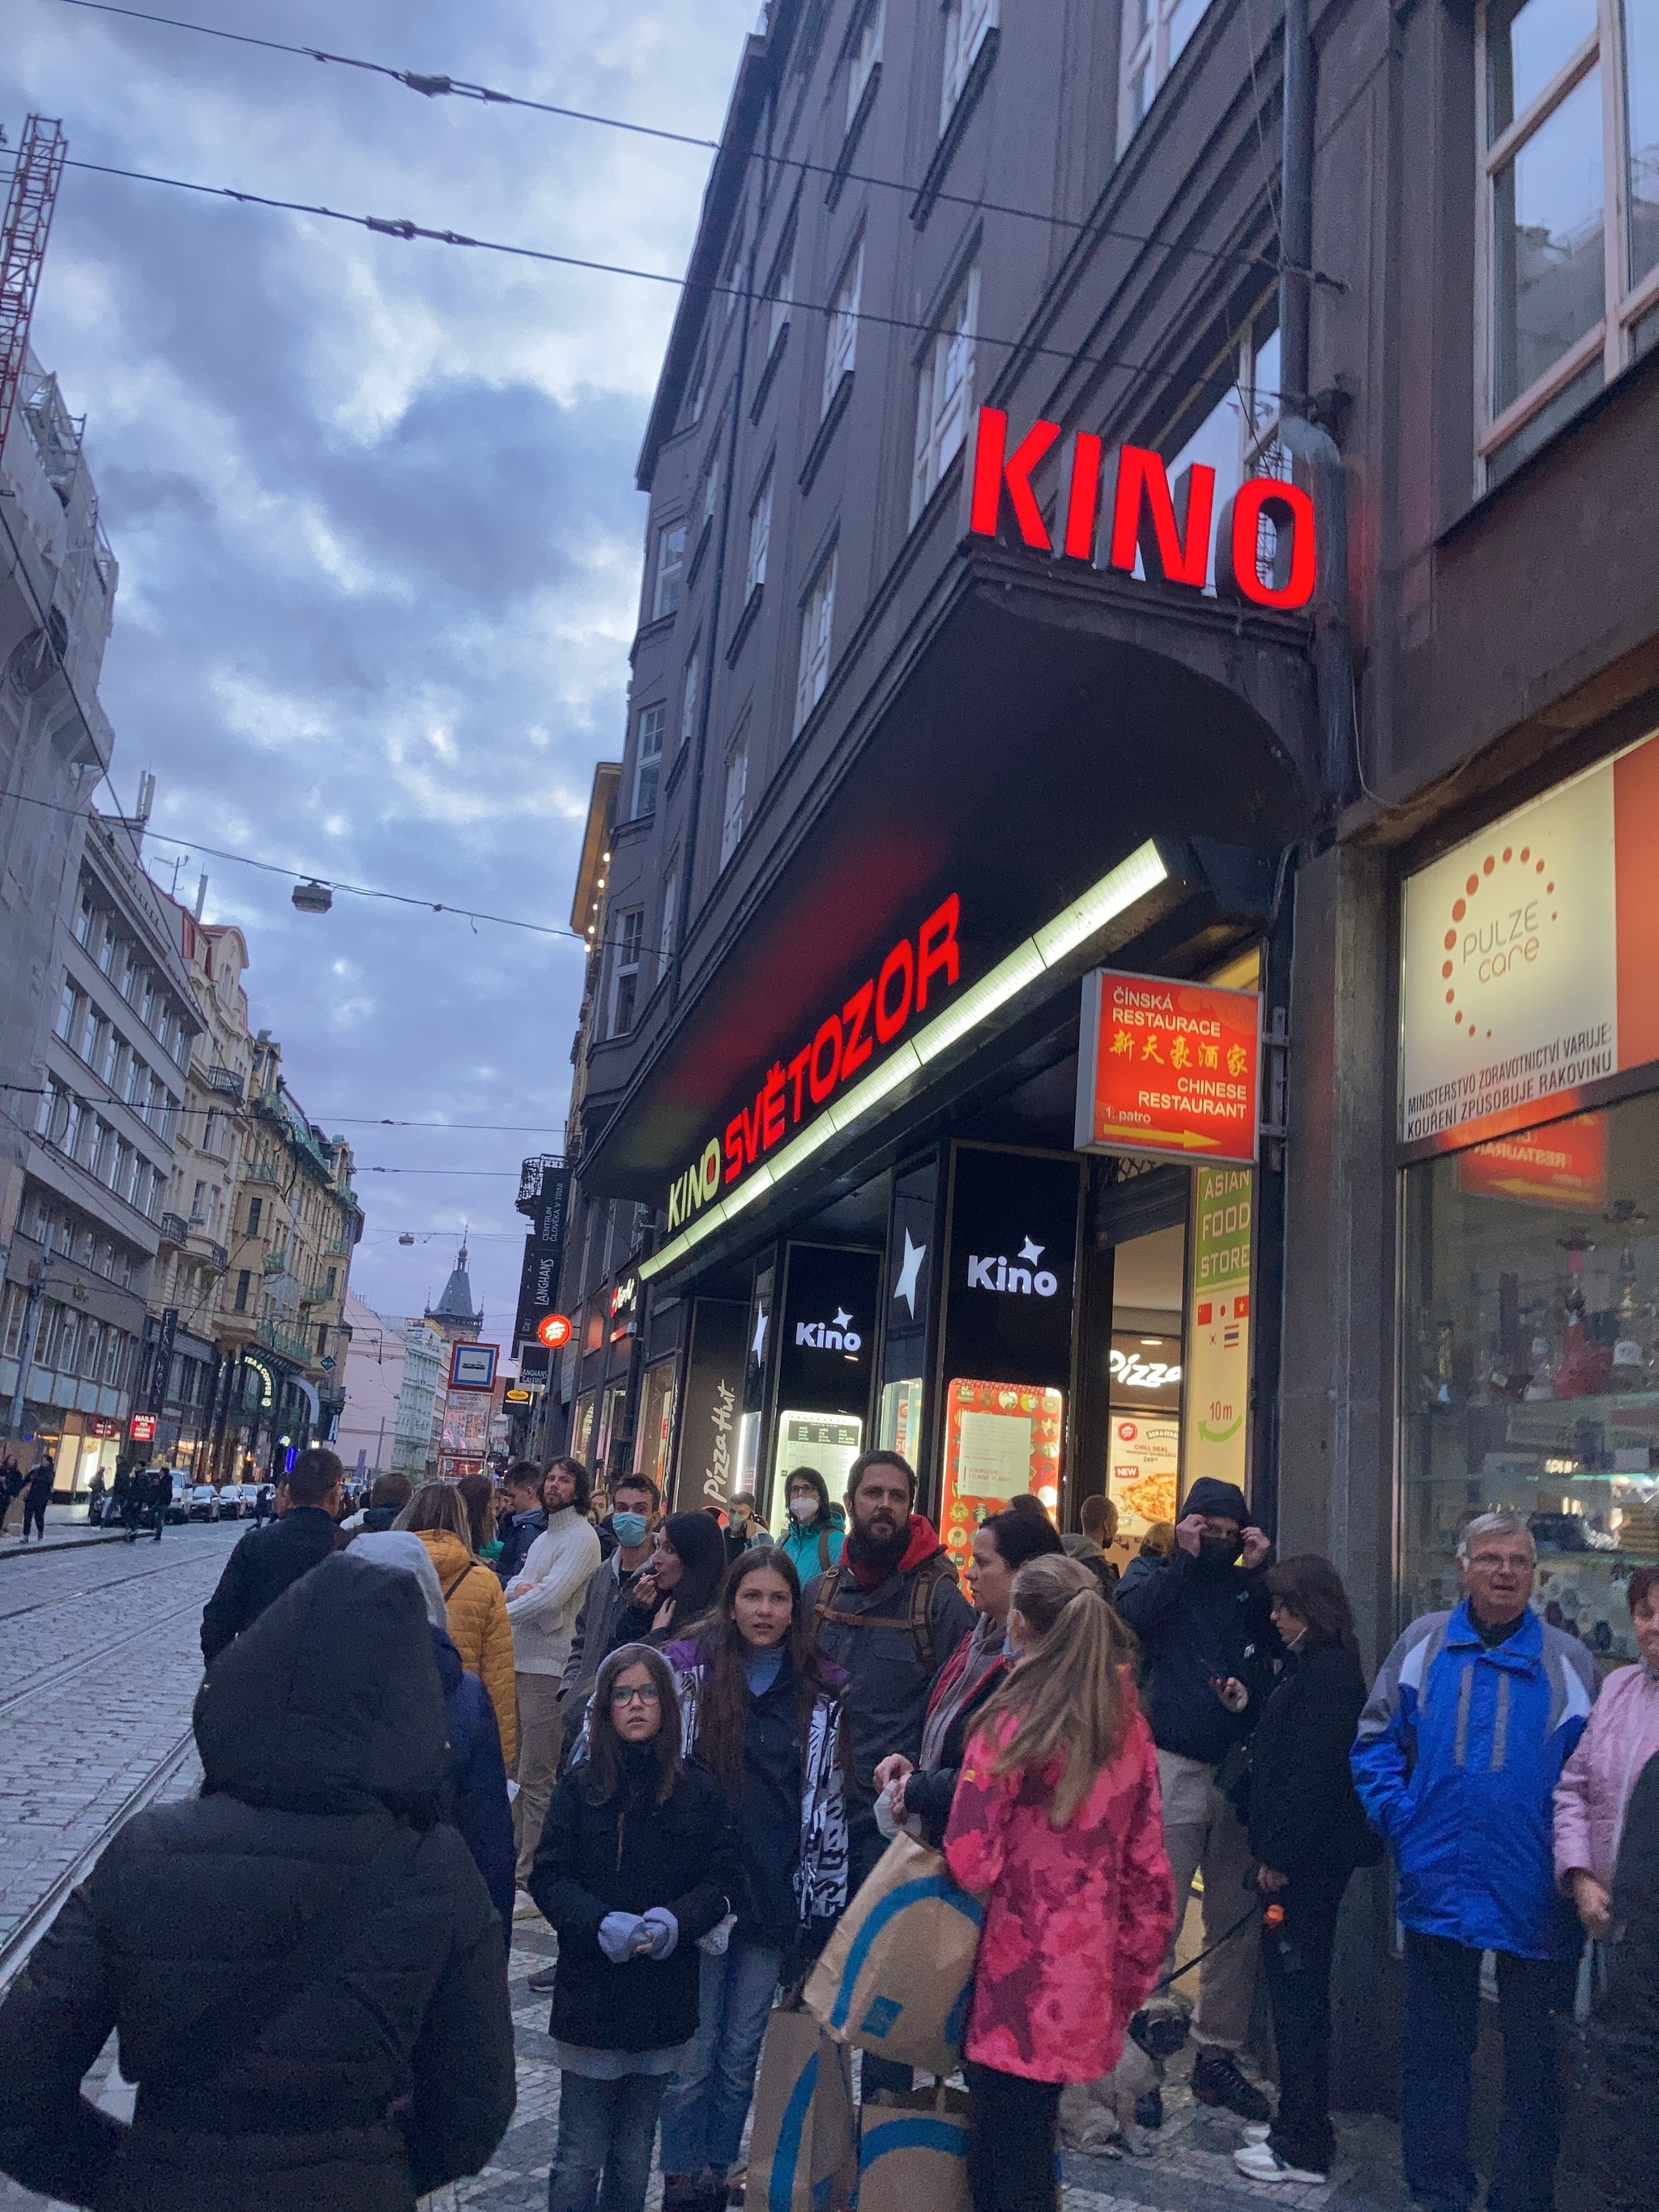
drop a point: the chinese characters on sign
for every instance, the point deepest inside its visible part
(1215, 1429)
(1167, 1070)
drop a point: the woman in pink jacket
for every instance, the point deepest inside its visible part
(1056, 1823)
(1596, 1781)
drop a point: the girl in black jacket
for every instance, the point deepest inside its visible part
(638, 1860)
(1308, 1833)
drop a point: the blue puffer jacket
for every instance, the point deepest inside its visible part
(1457, 1758)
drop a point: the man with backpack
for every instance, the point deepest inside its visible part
(888, 1615)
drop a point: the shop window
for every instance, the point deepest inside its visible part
(841, 348)
(625, 970)
(944, 393)
(1529, 1362)
(737, 784)
(1154, 36)
(671, 566)
(1569, 253)
(760, 537)
(814, 630)
(866, 57)
(967, 25)
(647, 759)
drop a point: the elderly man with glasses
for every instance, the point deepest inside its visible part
(1473, 1716)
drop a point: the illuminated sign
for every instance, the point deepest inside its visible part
(141, 1428)
(1167, 1070)
(472, 1366)
(916, 971)
(517, 1397)
(1132, 494)
(554, 1330)
(1565, 1165)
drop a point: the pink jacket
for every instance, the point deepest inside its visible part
(1595, 1782)
(1077, 1918)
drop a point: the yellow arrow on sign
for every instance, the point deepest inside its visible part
(1186, 1138)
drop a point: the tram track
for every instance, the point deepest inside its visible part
(96, 1590)
(59, 1673)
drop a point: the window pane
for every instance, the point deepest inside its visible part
(1642, 63)
(1526, 45)
(1540, 427)
(1183, 21)
(1547, 273)
(1646, 332)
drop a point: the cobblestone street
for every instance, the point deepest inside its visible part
(103, 1664)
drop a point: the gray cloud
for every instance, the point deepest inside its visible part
(373, 505)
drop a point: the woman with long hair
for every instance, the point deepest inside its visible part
(761, 1712)
(477, 1493)
(1308, 1833)
(677, 1584)
(638, 1860)
(1056, 1824)
(477, 1610)
(921, 1795)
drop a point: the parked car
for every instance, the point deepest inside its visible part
(203, 1502)
(178, 1506)
(241, 1497)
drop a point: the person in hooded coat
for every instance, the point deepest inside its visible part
(303, 1963)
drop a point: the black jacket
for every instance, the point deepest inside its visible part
(931, 1790)
(627, 1855)
(385, 2074)
(260, 1568)
(517, 1532)
(478, 1802)
(1304, 1817)
(1196, 1620)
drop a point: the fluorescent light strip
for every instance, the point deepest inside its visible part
(1132, 879)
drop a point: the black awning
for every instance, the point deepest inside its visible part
(1042, 729)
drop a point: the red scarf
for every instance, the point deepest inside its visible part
(922, 1546)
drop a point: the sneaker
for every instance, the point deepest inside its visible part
(1149, 2109)
(525, 1906)
(1217, 2081)
(1261, 2162)
(542, 1981)
(1258, 2131)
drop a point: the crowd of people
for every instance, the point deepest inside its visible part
(685, 1742)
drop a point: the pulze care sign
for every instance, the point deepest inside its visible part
(1130, 493)
(1167, 1070)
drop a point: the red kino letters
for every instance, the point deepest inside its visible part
(1141, 511)
(917, 970)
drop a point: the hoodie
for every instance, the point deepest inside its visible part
(321, 1731)
(867, 1633)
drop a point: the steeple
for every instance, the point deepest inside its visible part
(453, 1314)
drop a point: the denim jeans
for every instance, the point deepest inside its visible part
(1442, 2022)
(703, 2113)
(605, 2129)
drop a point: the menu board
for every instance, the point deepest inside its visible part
(1001, 1439)
(827, 1442)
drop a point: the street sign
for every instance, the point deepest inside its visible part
(517, 1397)
(472, 1366)
(326, 1363)
(1167, 1070)
(554, 1330)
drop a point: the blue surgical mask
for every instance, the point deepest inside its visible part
(631, 1528)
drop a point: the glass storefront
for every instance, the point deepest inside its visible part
(1529, 1361)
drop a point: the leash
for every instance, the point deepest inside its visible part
(1248, 1915)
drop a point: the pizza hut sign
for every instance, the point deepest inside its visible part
(1126, 500)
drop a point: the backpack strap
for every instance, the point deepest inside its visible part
(917, 1620)
(823, 1551)
(451, 1589)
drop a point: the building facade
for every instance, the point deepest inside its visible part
(1103, 521)
(396, 1373)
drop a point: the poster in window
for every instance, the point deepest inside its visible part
(1000, 1439)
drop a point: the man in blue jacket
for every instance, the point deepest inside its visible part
(1473, 1717)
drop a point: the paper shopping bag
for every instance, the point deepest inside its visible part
(896, 1976)
(802, 2156)
(914, 2156)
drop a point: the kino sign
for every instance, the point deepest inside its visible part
(1130, 494)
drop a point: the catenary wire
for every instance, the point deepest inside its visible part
(433, 85)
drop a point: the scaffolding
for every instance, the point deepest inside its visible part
(23, 233)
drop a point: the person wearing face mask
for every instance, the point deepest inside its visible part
(677, 1584)
(1203, 1615)
(812, 1541)
(919, 1792)
(634, 1516)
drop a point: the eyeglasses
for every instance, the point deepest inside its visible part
(645, 1696)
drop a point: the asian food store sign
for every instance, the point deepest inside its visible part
(1528, 970)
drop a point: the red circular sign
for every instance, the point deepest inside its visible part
(553, 1330)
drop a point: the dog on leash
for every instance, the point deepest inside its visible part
(1098, 2118)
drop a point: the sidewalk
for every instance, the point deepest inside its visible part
(67, 1527)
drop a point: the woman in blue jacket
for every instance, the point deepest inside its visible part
(813, 1540)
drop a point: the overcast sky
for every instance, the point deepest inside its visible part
(374, 504)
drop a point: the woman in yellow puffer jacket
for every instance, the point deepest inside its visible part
(478, 1625)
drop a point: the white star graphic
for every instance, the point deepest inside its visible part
(843, 1319)
(1031, 1252)
(757, 1350)
(905, 1287)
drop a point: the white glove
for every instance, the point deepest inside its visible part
(886, 1819)
(719, 1936)
(617, 1933)
(666, 1932)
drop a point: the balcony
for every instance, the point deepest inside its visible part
(174, 1228)
(316, 1292)
(207, 1248)
(224, 1080)
(288, 1341)
(262, 1171)
(531, 1176)
(275, 1263)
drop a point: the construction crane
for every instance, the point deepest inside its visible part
(29, 205)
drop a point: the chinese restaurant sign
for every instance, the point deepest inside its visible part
(1565, 1165)
(1167, 1070)
(1127, 499)
(1530, 961)
(1217, 1396)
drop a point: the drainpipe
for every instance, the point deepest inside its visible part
(1311, 448)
